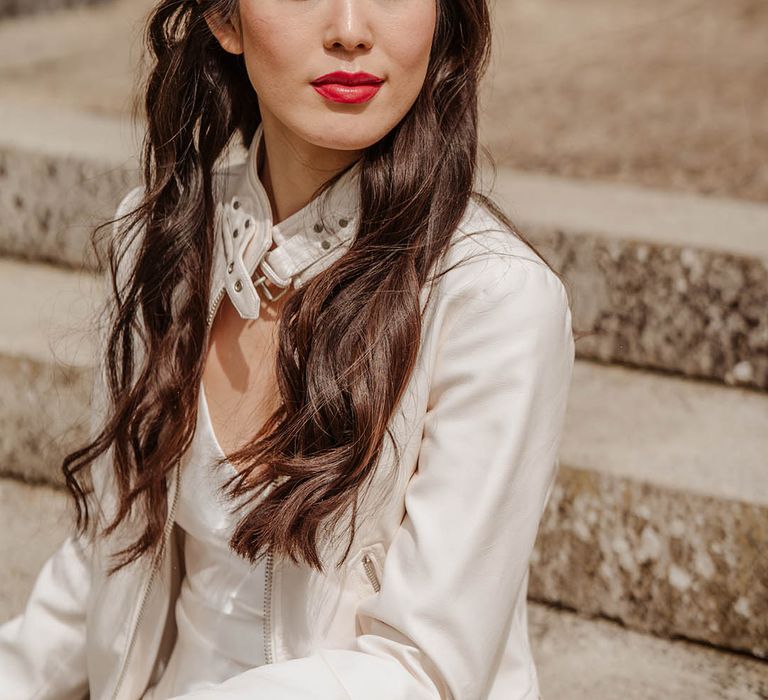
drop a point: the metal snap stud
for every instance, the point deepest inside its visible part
(247, 223)
(235, 204)
(230, 267)
(238, 285)
(318, 227)
(343, 223)
(326, 244)
(234, 233)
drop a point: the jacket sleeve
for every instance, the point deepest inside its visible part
(438, 626)
(43, 649)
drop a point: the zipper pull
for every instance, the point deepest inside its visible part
(370, 572)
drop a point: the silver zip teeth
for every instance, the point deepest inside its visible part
(269, 566)
(268, 610)
(216, 302)
(371, 572)
(148, 587)
(166, 533)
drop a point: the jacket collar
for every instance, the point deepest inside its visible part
(252, 252)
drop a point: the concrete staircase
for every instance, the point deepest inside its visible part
(649, 577)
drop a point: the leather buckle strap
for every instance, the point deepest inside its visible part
(261, 282)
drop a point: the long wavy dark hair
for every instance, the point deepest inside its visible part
(348, 339)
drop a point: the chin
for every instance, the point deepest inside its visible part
(352, 132)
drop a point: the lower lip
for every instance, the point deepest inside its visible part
(349, 94)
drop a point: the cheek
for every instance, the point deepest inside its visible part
(406, 38)
(270, 41)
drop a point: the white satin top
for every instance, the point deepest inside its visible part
(220, 608)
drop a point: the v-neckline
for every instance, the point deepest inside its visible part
(210, 429)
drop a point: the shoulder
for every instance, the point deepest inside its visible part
(500, 310)
(223, 179)
(488, 265)
(223, 182)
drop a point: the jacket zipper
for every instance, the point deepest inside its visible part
(269, 565)
(216, 301)
(156, 563)
(371, 572)
(268, 610)
(145, 594)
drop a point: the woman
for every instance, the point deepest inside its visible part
(327, 421)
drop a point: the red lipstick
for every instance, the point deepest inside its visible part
(350, 88)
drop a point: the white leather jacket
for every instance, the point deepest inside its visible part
(431, 603)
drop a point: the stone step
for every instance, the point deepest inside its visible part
(54, 191)
(658, 517)
(67, 57)
(581, 658)
(20, 8)
(48, 318)
(577, 658)
(670, 281)
(81, 65)
(654, 280)
(34, 520)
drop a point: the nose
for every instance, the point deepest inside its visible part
(348, 26)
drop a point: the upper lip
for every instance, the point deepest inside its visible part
(344, 78)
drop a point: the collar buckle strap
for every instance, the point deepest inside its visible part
(261, 282)
(301, 251)
(287, 263)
